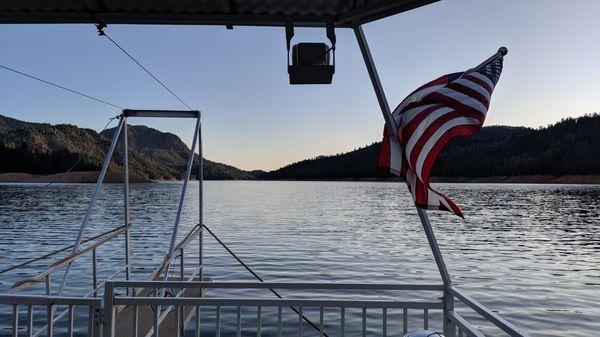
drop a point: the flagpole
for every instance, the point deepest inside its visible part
(502, 51)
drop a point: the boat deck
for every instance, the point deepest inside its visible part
(139, 320)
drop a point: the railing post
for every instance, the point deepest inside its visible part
(15, 321)
(449, 326)
(48, 286)
(200, 202)
(97, 321)
(126, 199)
(50, 319)
(108, 326)
(181, 309)
(94, 272)
(30, 320)
(181, 265)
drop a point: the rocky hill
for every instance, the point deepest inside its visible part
(39, 148)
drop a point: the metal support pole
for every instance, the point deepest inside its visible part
(435, 248)
(449, 328)
(188, 171)
(109, 310)
(93, 201)
(126, 200)
(385, 109)
(383, 103)
(200, 203)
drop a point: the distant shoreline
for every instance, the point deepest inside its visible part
(523, 179)
(71, 177)
(116, 177)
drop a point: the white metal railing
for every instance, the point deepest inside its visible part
(464, 328)
(46, 275)
(63, 310)
(324, 309)
(379, 307)
(91, 317)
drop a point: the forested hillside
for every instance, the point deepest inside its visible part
(569, 147)
(40, 148)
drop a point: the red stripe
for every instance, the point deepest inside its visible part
(454, 104)
(454, 208)
(383, 161)
(421, 193)
(470, 92)
(431, 129)
(439, 101)
(457, 131)
(480, 82)
(410, 128)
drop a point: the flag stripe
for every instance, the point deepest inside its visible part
(458, 131)
(425, 151)
(462, 99)
(470, 92)
(412, 138)
(477, 86)
(409, 115)
(416, 141)
(482, 77)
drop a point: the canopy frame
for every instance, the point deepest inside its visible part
(122, 129)
(118, 12)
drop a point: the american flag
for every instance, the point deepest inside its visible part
(453, 105)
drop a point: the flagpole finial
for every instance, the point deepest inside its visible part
(503, 50)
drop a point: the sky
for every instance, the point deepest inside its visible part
(252, 117)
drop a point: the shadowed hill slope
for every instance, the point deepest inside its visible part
(40, 148)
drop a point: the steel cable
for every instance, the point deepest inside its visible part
(61, 87)
(314, 325)
(102, 33)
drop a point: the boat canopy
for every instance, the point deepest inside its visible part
(304, 13)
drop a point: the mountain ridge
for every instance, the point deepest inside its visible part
(567, 149)
(43, 149)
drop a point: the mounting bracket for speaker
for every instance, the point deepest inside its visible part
(310, 62)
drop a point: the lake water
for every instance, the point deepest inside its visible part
(529, 252)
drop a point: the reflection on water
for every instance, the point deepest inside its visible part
(530, 252)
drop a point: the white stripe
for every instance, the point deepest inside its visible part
(395, 157)
(475, 86)
(410, 114)
(416, 135)
(417, 96)
(482, 77)
(436, 136)
(432, 198)
(464, 99)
